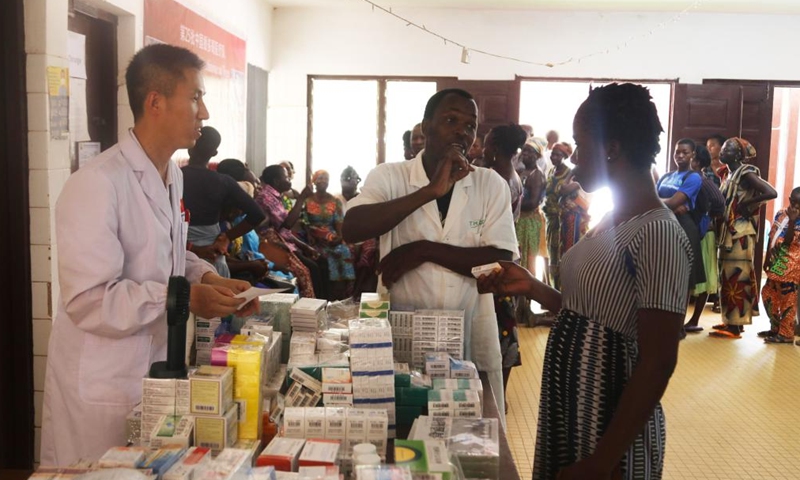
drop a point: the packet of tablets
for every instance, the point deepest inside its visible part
(485, 269)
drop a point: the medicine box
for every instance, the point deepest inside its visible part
(217, 432)
(172, 431)
(211, 390)
(184, 468)
(319, 452)
(281, 453)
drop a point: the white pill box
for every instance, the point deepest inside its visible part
(485, 269)
(211, 390)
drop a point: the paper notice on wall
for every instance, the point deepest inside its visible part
(58, 95)
(76, 50)
(78, 115)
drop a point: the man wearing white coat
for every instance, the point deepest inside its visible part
(121, 233)
(438, 217)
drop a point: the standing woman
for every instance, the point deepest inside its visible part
(614, 347)
(574, 208)
(531, 221)
(745, 191)
(500, 149)
(322, 219)
(679, 189)
(556, 177)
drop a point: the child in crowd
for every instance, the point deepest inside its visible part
(782, 264)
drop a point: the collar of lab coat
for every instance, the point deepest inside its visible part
(148, 176)
(458, 202)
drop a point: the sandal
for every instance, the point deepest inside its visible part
(716, 309)
(779, 339)
(767, 333)
(724, 334)
(692, 328)
(720, 326)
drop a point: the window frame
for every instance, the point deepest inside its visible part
(381, 108)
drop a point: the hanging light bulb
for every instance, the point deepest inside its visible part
(464, 55)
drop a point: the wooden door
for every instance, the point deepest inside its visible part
(16, 342)
(731, 108)
(498, 101)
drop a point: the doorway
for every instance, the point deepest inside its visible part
(784, 146)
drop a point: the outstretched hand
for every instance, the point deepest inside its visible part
(511, 280)
(452, 167)
(400, 261)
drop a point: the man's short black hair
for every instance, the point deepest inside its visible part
(271, 174)
(157, 67)
(625, 113)
(233, 168)
(436, 99)
(407, 139)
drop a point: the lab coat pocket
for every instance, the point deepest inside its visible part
(111, 370)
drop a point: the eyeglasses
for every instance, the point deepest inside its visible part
(349, 179)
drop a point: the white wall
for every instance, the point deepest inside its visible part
(358, 41)
(46, 45)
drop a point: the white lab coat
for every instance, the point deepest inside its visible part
(479, 216)
(120, 236)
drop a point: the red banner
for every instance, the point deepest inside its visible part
(167, 21)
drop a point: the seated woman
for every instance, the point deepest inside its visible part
(277, 230)
(322, 218)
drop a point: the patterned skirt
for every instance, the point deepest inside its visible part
(586, 368)
(530, 238)
(738, 286)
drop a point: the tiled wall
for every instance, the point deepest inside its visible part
(45, 45)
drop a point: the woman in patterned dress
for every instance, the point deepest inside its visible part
(557, 177)
(745, 191)
(322, 219)
(615, 345)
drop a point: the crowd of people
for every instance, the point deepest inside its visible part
(620, 290)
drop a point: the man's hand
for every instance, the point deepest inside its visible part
(512, 280)
(209, 301)
(400, 261)
(452, 167)
(235, 287)
(307, 192)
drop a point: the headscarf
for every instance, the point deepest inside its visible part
(564, 148)
(318, 174)
(746, 150)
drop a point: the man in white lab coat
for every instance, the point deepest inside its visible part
(437, 218)
(120, 234)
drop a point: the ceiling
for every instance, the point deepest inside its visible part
(731, 6)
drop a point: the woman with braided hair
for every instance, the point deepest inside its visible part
(614, 346)
(744, 191)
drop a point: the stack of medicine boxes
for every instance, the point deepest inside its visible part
(211, 402)
(162, 396)
(371, 358)
(437, 331)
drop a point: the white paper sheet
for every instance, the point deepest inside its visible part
(78, 114)
(255, 292)
(76, 50)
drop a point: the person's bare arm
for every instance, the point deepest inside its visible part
(458, 259)
(765, 192)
